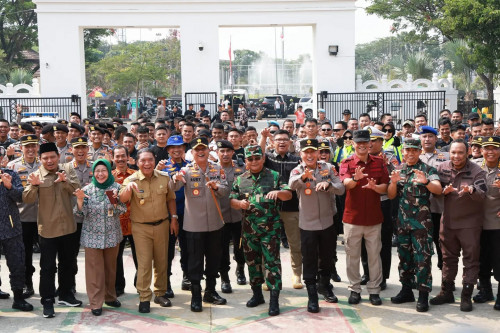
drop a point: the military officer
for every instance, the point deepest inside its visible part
(97, 149)
(315, 182)
(414, 183)
(204, 184)
(24, 166)
(256, 192)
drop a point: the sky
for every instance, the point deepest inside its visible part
(297, 40)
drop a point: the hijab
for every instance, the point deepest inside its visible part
(108, 181)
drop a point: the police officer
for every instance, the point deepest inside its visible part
(65, 149)
(256, 192)
(204, 184)
(414, 183)
(232, 219)
(24, 166)
(315, 182)
(97, 149)
(11, 237)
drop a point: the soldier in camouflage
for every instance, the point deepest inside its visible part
(414, 183)
(256, 192)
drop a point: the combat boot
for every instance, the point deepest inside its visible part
(466, 301)
(186, 284)
(312, 303)
(335, 276)
(423, 301)
(274, 305)
(326, 289)
(485, 293)
(211, 296)
(445, 295)
(404, 296)
(257, 297)
(240, 275)
(196, 298)
(19, 302)
(169, 293)
(225, 283)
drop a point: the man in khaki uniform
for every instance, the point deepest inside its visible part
(148, 190)
(53, 185)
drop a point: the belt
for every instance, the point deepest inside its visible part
(154, 223)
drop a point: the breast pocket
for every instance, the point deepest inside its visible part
(195, 190)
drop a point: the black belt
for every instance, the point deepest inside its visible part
(154, 223)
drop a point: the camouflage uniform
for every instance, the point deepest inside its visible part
(415, 228)
(261, 225)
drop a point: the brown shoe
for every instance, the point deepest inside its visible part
(296, 282)
(466, 301)
(163, 301)
(446, 294)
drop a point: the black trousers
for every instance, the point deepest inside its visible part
(317, 248)
(75, 248)
(386, 238)
(489, 257)
(337, 219)
(182, 244)
(120, 273)
(30, 233)
(60, 248)
(13, 250)
(436, 222)
(231, 231)
(203, 248)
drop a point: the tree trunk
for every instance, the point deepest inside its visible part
(488, 82)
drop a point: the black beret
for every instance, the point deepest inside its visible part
(81, 129)
(35, 123)
(62, 121)
(96, 128)
(225, 144)
(61, 127)
(26, 127)
(48, 128)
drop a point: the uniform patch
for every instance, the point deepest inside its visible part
(196, 192)
(295, 172)
(196, 184)
(222, 174)
(307, 191)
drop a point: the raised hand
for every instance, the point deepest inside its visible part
(496, 183)
(465, 189)
(371, 185)
(10, 150)
(4, 161)
(395, 176)
(80, 194)
(308, 174)
(322, 186)
(179, 176)
(61, 177)
(6, 180)
(358, 173)
(448, 189)
(161, 165)
(34, 179)
(131, 161)
(244, 204)
(420, 177)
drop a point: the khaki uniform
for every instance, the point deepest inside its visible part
(65, 153)
(150, 229)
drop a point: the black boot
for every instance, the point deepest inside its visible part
(240, 275)
(257, 297)
(312, 303)
(169, 293)
(466, 301)
(196, 297)
(211, 296)
(19, 302)
(225, 284)
(445, 295)
(274, 305)
(335, 276)
(485, 293)
(326, 289)
(423, 301)
(186, 284)
(404, 296)
(28, 290)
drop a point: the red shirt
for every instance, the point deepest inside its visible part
(362, 206)
(125, 222)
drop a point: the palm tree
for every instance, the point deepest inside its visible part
(463, 69)
(20, 75)
(419, 65)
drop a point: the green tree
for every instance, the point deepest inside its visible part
(242, 60)
(93, 42)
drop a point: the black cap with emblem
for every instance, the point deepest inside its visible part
(224, 144)
(199, 142)
(308, 144)
(79, 142)
(361, 136)
(28, 139)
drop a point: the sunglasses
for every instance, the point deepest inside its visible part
(326, 129)
(347, 137)
(255, 158)
(337, 130)
(385, 130)
(324, 151)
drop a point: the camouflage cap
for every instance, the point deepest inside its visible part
(412, 143)
(253, 151)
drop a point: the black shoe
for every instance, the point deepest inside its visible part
(274, 305)
(364, 279)
(186, 284)
(325, 288)
(484, 295)
(497, 303)
(383, 285)
(355, 298)
(404, 296)
(163, 301)
(169, 293)
(114, 304)
(423, 301)
(119, 292)
(48, 309)
(240, 275)
(225, 287)
(212, 297)
(97, 312)
(257, 297)
(4, 295)
(284, 241)
(312, 302)
(375, 299)
(69, 300)
(395, 242)
(196, 298)
(22, 305)
(335, 277)
(28, 292)
(144, 307)
(36, 248)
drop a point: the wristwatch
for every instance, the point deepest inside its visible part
(175, 216)
(428, 181)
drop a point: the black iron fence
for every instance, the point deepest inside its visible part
(58, 107)
(401, 105)
(197, 98)
(483, 105)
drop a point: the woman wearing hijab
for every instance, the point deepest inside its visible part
(101, 235)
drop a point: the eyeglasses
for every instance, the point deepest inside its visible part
(347, 137)
(337, 129)
(255, 158)
(326, 129)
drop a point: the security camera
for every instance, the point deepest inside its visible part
(200, 46)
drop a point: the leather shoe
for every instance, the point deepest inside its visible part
(375, 299)
(119, 292)
(97, 312)
(186, 284)
(225, 287)
(28, 292)
(144, 307)
(335, 277)
(355, 298)
(213, 298)
(4, 295)
(364, 279)
(169, 293)
(163, 301)
(22, 305)
(114, 304)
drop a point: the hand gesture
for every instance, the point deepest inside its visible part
(466, 189)
(244, 204)
(143, 145)
(161, 165)
(131, 160)
(61, 177)
(212, 185)
(308, 174)
(420, 177)
(372, 183)
(10, 150)
(395, 176)
(448, 189)
(496, 183)
(273, 195)
(179, 176)
(80, 194)
(132, 186)
(6, 180)
(34, 179)
(4, 161)
(323, 186)
(358, 174)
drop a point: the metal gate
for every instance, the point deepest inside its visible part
(58, 107)
(197, 98)
(401, 105)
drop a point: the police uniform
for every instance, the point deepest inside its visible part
(27, 212)
(203, 226)
(66, 151)
(97, 153)
(317, 233)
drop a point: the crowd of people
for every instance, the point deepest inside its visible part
(206, 183)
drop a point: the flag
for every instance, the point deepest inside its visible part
(230, 63)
